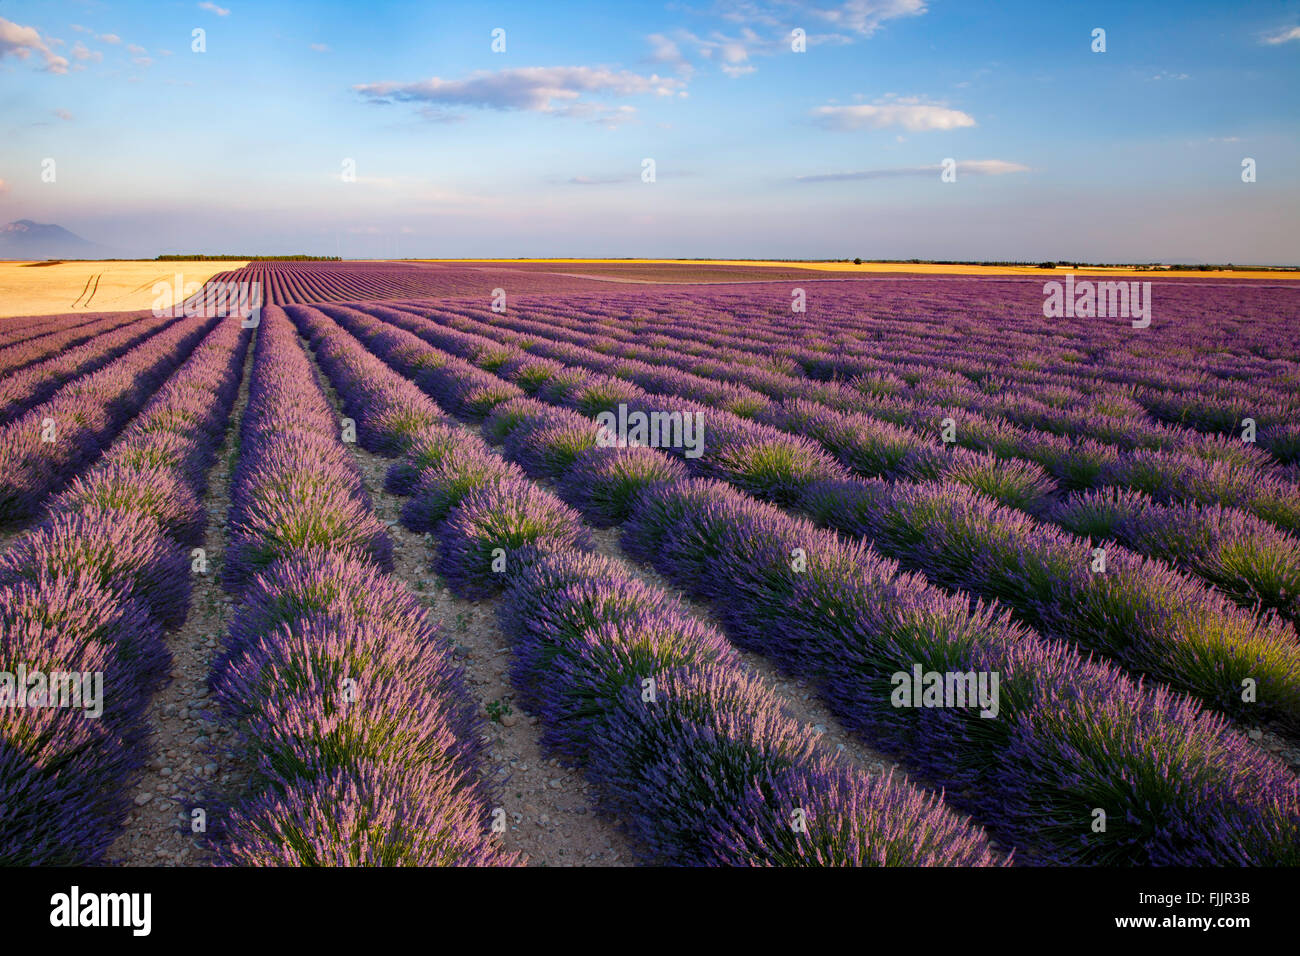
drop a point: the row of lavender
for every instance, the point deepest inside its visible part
(89, 594)
(21, 330)
(916, 448)
(1226, 342)
(22, 389)
(1073, 736)
(695, 755)
(1238, 552)
(1147, 615)
(295, 282)
(1094, 375)
(1173, 465)
(37, 348)
(41, 449)
(359, 734)
(724, 339)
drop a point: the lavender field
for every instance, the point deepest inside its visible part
(488, 566)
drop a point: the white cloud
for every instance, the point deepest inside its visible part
(861, 17)
(909, 113)
(969, 167)
(109, 38)
(81, 52)
(21, 42)
(665, 50)
(539, 89)
(1282, 36)
(320, 47)
(766, 30)
(63, 115)
(598, 181)
(864, 17)
(213, 8)
(136, 50)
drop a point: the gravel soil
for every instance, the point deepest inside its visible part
(188, 743)
(550, 811)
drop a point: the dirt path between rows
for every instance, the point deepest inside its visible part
(552, 817)
(188, 743)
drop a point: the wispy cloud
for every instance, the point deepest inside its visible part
(665, 50)
(1282, 36)
(82, 52)
(21, 42)
(434, 114)
(765, 30)
(597, 180)
(135, 50)
(109, 38)
(320, 47)
(860, 17)
(970, 167)
(558, 90)
(63, 115)
(213, 8)
(908, 112)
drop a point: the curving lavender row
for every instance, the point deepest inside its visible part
(1112, 419)
(766, 363)
(1072, 736)
(710, 771)
(38, 348)
(1228, 346)
(363, 739)
(91, 591)
(23, 388)
(1137, 611)
(876, 448)
(1143, 613)
(36, 326)
(286, 283)
(43, 448)
(1247, 558)
(1205, 469)
(43, 325)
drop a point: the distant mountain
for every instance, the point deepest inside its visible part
(24, 239)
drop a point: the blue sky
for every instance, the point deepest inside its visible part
(1133, 154)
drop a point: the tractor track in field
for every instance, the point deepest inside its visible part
(190, 757)
(83, 292)
(86, 304)
(550, 810)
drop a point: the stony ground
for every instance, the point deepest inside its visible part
(551, 810)
(189, 744)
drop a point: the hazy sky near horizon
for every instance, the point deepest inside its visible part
(1134, 154)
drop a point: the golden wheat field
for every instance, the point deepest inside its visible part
(47, 288)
